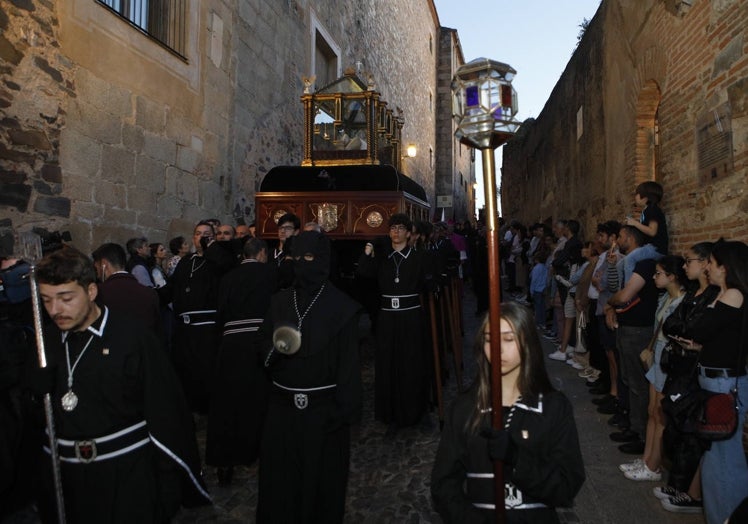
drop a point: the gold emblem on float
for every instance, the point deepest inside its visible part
(327, 215)
(374, 219)
(278, 214)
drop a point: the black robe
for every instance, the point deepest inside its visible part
(193, 288)
(239, 391)
(548, 465)
(402, 361)
(122, 379)
(305, 452)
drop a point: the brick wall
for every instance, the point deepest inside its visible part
(694, 63)
(636, 57)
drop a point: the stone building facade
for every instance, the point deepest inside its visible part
(455, 166)
(656, 90)
(109, 133)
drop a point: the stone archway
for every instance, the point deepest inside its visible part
(647, 133)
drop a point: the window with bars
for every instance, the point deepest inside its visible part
(163, 20)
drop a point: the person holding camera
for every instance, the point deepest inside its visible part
(193, 290)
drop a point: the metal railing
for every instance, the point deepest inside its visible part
(165, 21)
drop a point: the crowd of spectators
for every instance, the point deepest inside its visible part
(605, 300)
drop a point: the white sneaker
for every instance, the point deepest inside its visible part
(558, 355)
(589, 372)
(631, 466)
(643, 473)
(577, 365)
(570, 350)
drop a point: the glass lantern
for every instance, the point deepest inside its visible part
(484, 103)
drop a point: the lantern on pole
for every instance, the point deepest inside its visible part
(484, 105)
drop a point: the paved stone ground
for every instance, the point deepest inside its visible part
(389, 480)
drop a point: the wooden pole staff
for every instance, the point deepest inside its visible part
(494, 317)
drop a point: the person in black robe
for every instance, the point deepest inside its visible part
(193, 290)
(125, 437)
(239, 393)
(315, 395)
(538, 444)
(402, 361)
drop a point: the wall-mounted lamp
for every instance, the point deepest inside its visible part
(411, 151)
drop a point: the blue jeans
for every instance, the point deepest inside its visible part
(538, 301)
(724, 472)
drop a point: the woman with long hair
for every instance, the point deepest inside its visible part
(682, 494)
(158, 261)
(670, 276)
(721, 336)
(538, 444)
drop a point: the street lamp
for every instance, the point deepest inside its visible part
(484, 105)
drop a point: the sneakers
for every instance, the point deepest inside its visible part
(665, 492)
(643, 473)
(631, 466)
(589, 373)
(573, 363)
(682, 503)
(558, 355)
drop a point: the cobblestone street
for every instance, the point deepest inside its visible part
(389, 480)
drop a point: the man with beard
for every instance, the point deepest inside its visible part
(125, 437)
(315, 396)
(634, 324)
(239, 393)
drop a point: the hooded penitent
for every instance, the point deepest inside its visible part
(311, 253)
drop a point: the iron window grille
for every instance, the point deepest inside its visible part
(165, 21)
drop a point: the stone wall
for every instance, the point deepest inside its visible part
(648, 77)
(109, 135)
(35, 77)
(455, 172)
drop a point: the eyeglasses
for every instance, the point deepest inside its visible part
(659, 273)
(689, 260)
(286, 228)
(398, 228)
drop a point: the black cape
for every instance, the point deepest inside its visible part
(123, 378)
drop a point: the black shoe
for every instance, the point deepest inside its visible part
(426, 424)
(635, 447)
(225, 475)
(609, 408)
(607, 399)
(625, 436)
(620, 420)
(600, 389)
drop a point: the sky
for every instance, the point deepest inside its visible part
(535, 37)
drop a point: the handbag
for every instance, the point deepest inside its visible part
(718, 416)
(646, 357)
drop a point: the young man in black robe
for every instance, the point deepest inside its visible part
(193, 290)
(125, 438)
(402, 362)
(240, 386)
(315, 394)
